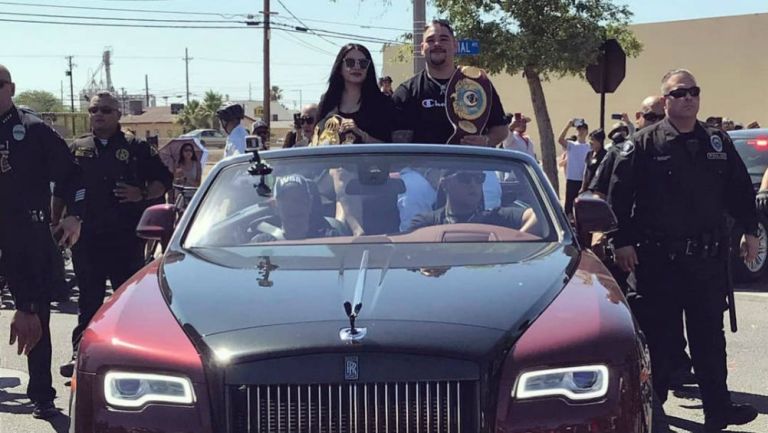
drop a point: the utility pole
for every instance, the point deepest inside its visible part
(267, 95)
(419, 21)
(186, 62)
(71, 93)
(122, 99)
(250, 97)
(62, 93)
(146, 87)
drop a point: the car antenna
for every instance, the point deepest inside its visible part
(260, 168)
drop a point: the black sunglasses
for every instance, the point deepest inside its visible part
(3, 83)
(361, 63)
(104, 110)
(653, 117)
(467, 178)
(306, 120)
(683, 92)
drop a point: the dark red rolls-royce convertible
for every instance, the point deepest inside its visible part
(384, 288)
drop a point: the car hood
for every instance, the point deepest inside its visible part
(457, 299)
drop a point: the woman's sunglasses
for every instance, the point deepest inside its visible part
(308, 120)
(361, 63)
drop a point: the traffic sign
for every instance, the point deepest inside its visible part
(608, 73)
(468, 47)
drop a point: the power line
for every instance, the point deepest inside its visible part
(124, 10)
(72, 23)
(81, 17)
(308, 45)
(251, 25)
(362, 26)
(306, 26)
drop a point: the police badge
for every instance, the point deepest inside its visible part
(717, 143)
(467, 102)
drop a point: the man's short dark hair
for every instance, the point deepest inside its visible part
(441, 22)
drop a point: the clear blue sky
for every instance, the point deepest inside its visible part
(228, 61)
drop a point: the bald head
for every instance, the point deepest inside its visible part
(7, 90)
(5, 74)
(651, 111)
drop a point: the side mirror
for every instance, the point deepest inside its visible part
(593, 214)
(157, 223)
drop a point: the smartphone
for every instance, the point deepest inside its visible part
(617, 116)
(518, 116)
(578, 122)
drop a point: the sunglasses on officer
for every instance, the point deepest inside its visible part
(683, 92)
(361, 63)
(103, 110)
(306, 120)
(653, 117)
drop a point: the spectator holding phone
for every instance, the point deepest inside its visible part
(517, 138)
(577, 155)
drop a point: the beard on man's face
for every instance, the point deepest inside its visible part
(438, 58)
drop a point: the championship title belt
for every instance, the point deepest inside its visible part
(468, 102)
(330, 134)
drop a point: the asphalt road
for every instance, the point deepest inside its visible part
(747, 371)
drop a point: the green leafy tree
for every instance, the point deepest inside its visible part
(39, 100)
(193, 116)
(276, 93)
(540, 39)
(212, 101)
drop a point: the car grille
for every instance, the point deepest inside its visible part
(439, 407)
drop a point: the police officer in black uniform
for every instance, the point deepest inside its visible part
(32, 155)
(671, 189)
(123, 176)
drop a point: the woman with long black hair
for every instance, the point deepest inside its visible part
(353, 109)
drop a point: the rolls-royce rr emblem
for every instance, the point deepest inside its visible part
(351, 368)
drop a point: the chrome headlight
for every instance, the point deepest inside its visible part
(133, 390)
(575, 383)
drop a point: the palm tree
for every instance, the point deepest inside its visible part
(276, 93)
(192, 116)
(212, 101)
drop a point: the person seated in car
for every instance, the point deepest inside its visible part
(464, 204)
(299, 213)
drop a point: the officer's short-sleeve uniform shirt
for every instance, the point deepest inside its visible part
(679, 184)
(236, 141)
(105, 163)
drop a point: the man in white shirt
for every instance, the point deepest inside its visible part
(577, 155)
(517, 138)
(230, 116)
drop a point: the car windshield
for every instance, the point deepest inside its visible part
(373, 198)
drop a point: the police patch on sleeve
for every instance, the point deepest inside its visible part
(19, 132)
(717, 143)
(627, 148)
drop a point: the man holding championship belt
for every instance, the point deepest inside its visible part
(445, 104)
